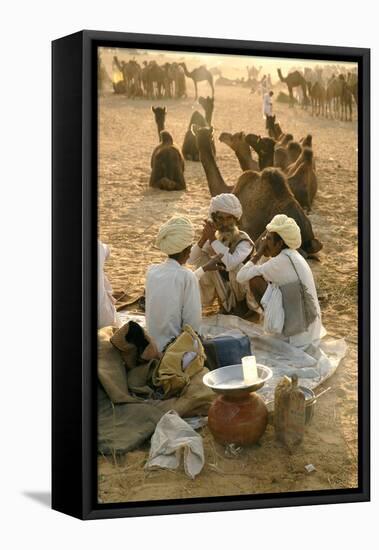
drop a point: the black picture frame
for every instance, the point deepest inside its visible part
(74, 268)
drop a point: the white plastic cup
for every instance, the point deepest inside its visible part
(249, 367)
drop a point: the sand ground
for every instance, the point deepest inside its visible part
(130, 214)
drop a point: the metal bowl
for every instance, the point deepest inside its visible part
(229, 380)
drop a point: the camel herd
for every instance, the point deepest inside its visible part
(279, 178)
(154, 81)
(330, 95)
(332, 98)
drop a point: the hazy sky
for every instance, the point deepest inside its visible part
(232, 66)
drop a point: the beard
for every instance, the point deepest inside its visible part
(226, 234)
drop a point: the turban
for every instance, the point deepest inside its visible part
(287, 229)
(175, 235)
(227, 203)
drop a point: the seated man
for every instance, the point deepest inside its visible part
(106, 311)
(222, 236)
(172, 290)
(285, 265)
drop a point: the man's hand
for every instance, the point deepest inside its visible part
(214, 264)
(261, 248)
(209, 230)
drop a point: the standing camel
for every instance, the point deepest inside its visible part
(199, 75)
(317, 94)
(294, 80)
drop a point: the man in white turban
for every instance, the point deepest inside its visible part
(221, 235)
(284, 265)
(172, 290)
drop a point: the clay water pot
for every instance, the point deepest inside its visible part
(240, 418)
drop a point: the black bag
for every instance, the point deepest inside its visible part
(222, 351)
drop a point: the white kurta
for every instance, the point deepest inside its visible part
(106, 312)
(267, 105)
(231, 261)
(279, 270)
(172, 300)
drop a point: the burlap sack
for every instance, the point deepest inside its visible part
(129, 351)
(194, 401)
(111, 369)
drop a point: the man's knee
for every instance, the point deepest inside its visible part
(258, 287)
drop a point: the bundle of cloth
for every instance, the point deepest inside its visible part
(138, 385)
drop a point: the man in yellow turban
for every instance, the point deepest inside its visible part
(172, 290)
(285, 265)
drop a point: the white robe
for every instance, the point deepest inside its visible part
(267, 105)
(106, 312)
(279, 270)
(172, 300)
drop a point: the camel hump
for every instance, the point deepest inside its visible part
(249, 177)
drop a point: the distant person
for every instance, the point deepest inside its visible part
(106, 311)
(268, 112)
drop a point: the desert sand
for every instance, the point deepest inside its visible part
(130, 214)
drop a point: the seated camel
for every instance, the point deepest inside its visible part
(264, 147)
(262, 195)
(281, 158)
(189, 148)
(207, 104)
(241, 149)
(302, 179)
(293, 151)
(167, 165)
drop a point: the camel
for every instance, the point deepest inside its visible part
(167, 165)
(242, 150)
(352, 82)
(281, 158)
(253, 72)
(176, 79)
(207, 104)
(317, 94)
(284, 140)
(199, 75)
(189, 148)
(262, 196)
(133, 78)
(345, 99)
(271, 126)
(154, 79)
(294, 80)
(333, 95)
(306, 141)
(264, 147)
(160, 117)
(293, 151)
(303, 180)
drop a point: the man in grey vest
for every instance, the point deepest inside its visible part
(222, 236)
